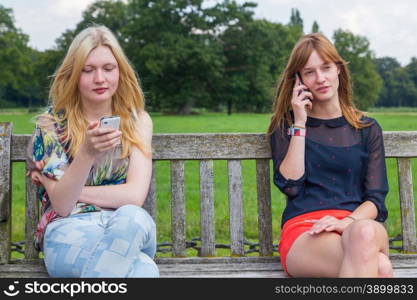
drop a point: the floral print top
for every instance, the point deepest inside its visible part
(49, 152)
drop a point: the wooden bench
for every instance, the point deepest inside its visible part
(177, 148)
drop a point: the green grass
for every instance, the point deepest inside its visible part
(393, 109)
(215, 122)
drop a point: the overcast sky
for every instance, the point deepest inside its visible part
(390, 28)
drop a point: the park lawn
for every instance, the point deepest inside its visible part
(215, 122)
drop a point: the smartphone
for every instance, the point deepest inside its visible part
(301, 82)
(112, 122)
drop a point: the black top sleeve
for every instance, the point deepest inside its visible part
(376, 183)
(279, 142)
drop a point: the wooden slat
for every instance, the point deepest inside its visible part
(231, 145)
(178, 208)
(405, 265)
(207, 208)
(264, 207)
(5, 191)
(19, 145)
(235, 207)
(150, 202)
(32, 217)
(210, 146)
(221, 260)
(408, 221)
(400, 143)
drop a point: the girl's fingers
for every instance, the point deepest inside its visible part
(330, 228)
(92, 125)
(299, 89)
(308, 104)
(108, 144)
(307, 95)
(297, 80)
(106, 138)
(103, 134)
(39, 164)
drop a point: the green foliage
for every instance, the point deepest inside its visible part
(365, 78)
(399, 83)
(296, 20)
(14, 57)
(256, 53)
(176, 51)
(315, 27)
(194, 55)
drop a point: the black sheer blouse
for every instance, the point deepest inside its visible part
(343, 168)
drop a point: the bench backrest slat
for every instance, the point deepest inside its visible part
(207, 208)
(5, 190)
(264, 207)
(400, 143)
(230, 146)
(408, 219)
(235, 207)
(178, 208)
(31, 219)
(210, 146)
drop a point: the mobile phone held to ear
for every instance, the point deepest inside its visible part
(110, 122)
(301, 82)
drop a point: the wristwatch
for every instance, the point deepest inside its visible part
(296, 131)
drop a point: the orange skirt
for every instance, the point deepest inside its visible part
(296, 226)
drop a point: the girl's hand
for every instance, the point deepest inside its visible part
(35, 166)
(40, 179)
(327, 224)
(98, 140)
(300, 102)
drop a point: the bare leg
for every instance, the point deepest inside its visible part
(315, 255)
(385, 266)
(330, 255)
(362, 243)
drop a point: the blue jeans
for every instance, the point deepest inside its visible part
(119, 243)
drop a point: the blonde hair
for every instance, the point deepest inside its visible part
(298, 58)
(127, 102)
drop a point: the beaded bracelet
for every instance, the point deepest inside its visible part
(350, 217)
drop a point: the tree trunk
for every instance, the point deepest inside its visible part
(187, 108)
(229, 107)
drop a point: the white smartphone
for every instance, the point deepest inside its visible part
(112, 122)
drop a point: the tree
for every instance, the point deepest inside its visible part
(315, 27)
(365, 78)
(399, 87)
(15, 63)
(412, 69)
(295, 19)
(256, 54)
(177, 49)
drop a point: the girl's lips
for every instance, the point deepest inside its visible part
(323, 89)
(100, 90)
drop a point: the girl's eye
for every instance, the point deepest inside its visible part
(87, 70)
(108, 69)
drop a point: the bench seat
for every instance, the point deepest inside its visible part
(405, 265)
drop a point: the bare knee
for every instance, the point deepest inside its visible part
(361, 239)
